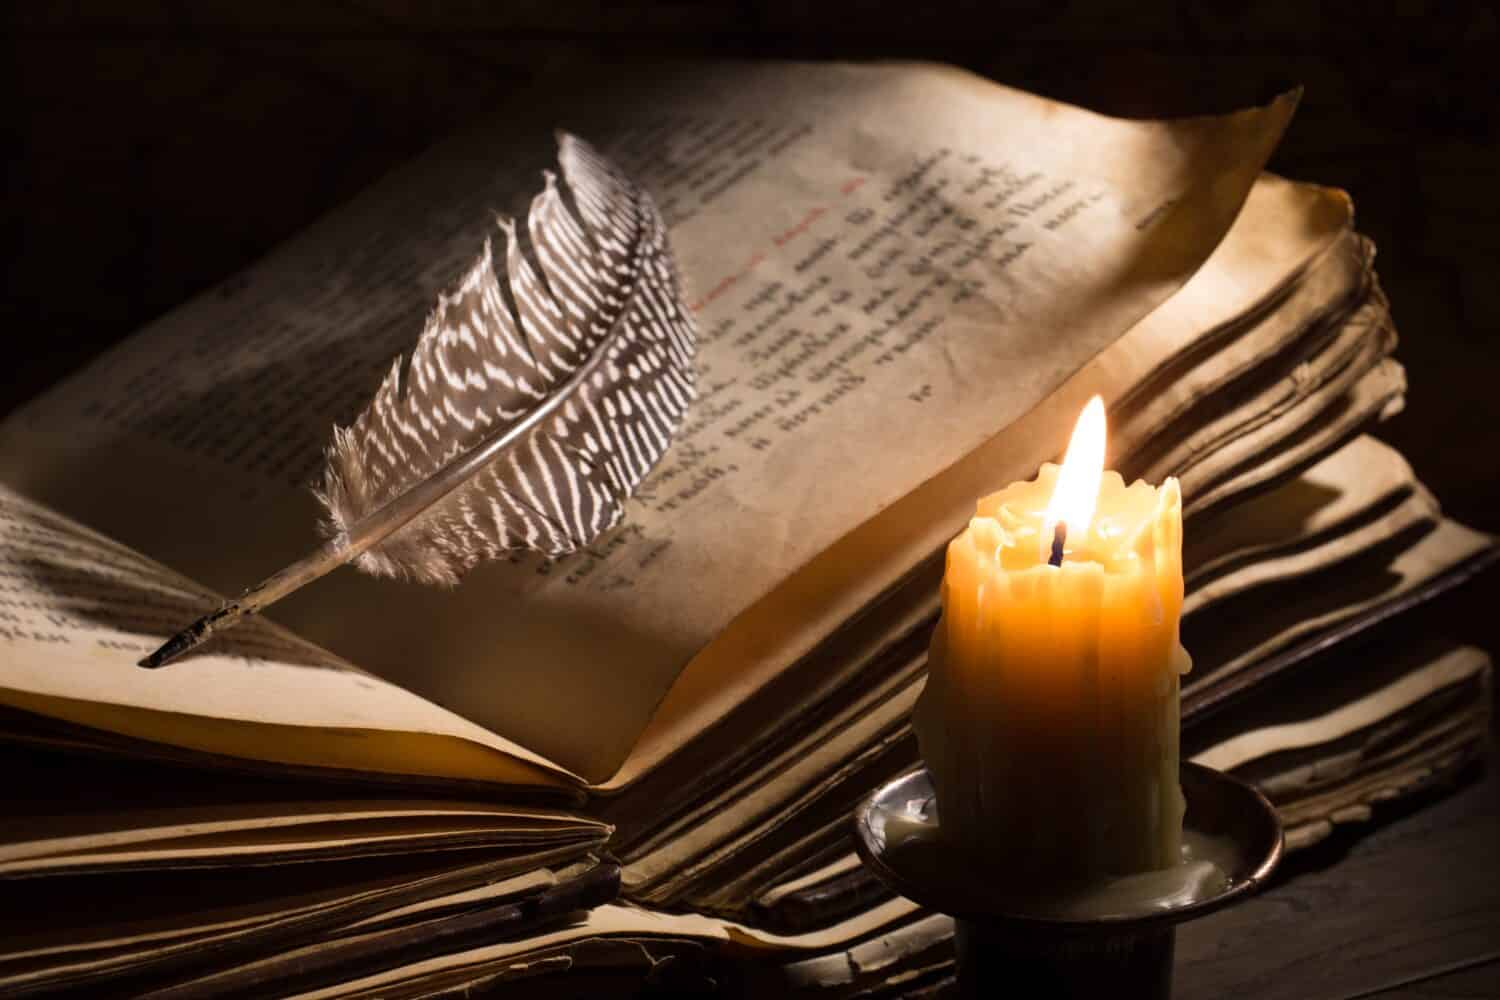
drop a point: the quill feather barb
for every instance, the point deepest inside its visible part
(537, 398)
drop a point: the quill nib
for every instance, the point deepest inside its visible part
(193, 636)
(322, 560)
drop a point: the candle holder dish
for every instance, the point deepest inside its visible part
(1005, 951)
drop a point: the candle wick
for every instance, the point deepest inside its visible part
(1059, 536)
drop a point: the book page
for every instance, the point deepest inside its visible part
(1281, 268)
(225, 836)
(1417, 512)
(1257, 624)
(1358, 481)
(647, 930)
(161, 919)
(75, 606)
(772, 823)
(1319, 423)
(1365, 692)
(888, 265)
(1275, 237)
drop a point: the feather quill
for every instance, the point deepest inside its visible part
(543, 388)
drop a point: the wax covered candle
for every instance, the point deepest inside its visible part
(1050, 716)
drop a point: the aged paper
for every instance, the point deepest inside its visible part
(1314, 427)
(1419, 511)
(888, 264)
(718, 879)
(226, 835)
(176, 920)
(1383, 728)
(73, 603)
(1352, 703)
(1284, 264)
(657, 846)
(1257, 624)
(1451, 674)
(1362, 477)
(627, 923)
(1354, 349)
(662, 865)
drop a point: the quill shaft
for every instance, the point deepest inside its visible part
(373, 529)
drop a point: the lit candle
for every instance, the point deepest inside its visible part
(1050, 717)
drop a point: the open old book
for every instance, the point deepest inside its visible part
(906, 281)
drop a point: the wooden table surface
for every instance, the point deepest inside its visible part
(163, 145)
(1404, 908)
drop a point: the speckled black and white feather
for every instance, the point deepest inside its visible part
(542, 390)
(569, 347)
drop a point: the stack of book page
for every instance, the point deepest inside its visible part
(636, 765)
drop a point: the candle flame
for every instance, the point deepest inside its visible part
(1077, 490)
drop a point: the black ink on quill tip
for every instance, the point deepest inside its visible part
(189, 638)
(168, 651)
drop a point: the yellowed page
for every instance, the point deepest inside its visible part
(74, 608)
(1297, 731)
(795, 770)
(162, 924)
(676, 864)
(1286, 262)
(1396, 736)
(613, 921)
(1259, 624)
(145, 929)
(1429, 764)
(1314, 427)
(535, 879)
(920, 944)
(228, 834)
(1364, 475)
(1357, 346)
(1418, 511)
(656, 842)
(1359, 736)
(245, 835)
(889, 264)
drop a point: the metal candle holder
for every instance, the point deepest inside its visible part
(1002, 953)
